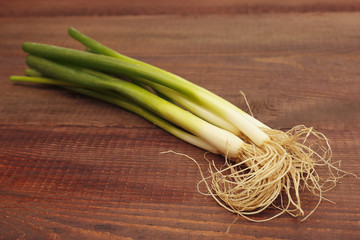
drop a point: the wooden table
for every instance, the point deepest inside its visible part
(77, 168)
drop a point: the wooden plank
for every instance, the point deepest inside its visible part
(75, 168)
(23, 8)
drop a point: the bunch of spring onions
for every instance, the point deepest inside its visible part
(263, 167)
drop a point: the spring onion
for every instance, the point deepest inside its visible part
(267, 167)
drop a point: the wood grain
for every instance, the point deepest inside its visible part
(76, 168)
(22, 8)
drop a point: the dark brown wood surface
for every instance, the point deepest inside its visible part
(77, 168)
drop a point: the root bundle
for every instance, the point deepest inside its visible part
(275, 175)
